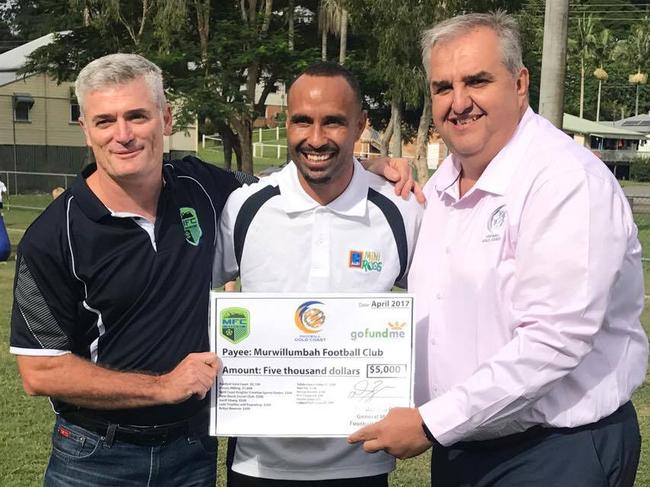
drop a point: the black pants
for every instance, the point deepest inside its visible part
(601, 454)
(238, 480)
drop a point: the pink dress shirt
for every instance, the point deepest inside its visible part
(528, 292)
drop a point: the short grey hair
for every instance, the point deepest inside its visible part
(118, 69)
(504, 25)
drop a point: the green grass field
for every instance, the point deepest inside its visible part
(26, 422)
(265, 157)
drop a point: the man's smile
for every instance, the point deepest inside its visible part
(464, 119)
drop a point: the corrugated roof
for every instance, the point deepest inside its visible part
(577, 125)
(640, 123)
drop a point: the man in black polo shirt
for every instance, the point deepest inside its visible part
(111, 295)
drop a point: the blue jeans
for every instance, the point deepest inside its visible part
(83, 458)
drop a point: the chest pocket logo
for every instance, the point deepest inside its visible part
(191, 226)
(495, 223)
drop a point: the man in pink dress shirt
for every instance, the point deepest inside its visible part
(528, 285)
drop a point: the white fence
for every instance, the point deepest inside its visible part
(260, 136)
(268, 150)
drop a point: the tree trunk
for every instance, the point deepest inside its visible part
(385, 139)
(323, 45)
(230, 144)
(422, 141)
(600, 85)
(203, 27)
(396, 139)
(243, 123)
(244, 128)
(227, 153)
(290, 9)
(344, 36)
(551, 89)
(236, 146)
(582, 85)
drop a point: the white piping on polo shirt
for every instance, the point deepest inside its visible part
(37, 352)
(100, 323)
(214, 211)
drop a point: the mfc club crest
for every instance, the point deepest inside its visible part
(191, 226)
(235, 324)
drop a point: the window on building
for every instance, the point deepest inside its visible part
(74, 111)
(23, 103)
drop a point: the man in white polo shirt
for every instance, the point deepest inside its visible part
(528, 285)
(295, 231)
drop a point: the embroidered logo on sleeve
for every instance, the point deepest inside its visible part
(366, 260)
(191, 226)
(495, 224)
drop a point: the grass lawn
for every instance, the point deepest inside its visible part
(27, 422)
(265, 157)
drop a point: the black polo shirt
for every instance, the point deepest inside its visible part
(99, 286)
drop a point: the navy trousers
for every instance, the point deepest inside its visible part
(601, 454)
(238, 480)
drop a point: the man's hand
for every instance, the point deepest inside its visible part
(400, 434)
(397, 171)
(194, 376)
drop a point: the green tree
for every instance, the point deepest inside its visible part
(634, 51)
(603, 48)
(333, 19)
(583, 44)
(208, 50)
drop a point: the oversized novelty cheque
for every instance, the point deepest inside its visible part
(304, 365)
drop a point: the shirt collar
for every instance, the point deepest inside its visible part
(86, 199)
(91, 205)
(352, 202)
(499, 172)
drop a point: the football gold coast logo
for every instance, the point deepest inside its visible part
(309, 318)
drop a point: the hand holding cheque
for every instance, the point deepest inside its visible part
(296, 365)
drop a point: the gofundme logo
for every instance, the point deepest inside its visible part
(388, 332)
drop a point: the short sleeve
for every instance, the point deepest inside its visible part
(46, 298)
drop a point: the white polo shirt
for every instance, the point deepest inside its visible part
(3, 189)
(528, 292)
(287, 242)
